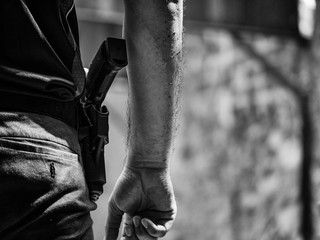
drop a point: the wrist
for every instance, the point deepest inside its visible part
(147, 164)
(156, 161)
(151, 176)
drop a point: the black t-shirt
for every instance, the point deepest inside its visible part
(36, 51)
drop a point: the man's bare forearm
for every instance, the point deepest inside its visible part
(153, 30)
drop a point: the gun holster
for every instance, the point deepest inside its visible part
(93, 115)
(93, 135)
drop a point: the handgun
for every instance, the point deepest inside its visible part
(108, 61)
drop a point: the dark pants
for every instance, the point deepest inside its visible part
(43, 195)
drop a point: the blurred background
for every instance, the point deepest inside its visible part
(246, 163)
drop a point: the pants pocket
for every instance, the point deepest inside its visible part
(40, 183)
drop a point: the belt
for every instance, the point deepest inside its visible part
(63, 111)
